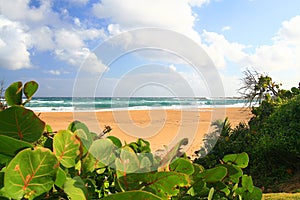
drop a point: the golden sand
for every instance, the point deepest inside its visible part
(162, 128)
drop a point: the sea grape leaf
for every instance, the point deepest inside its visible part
(75, 125)
(104, 151)
(115, 140)
(13, 94)
(163, 184)
(182, 165)
(172, 153)
(85, 139)
(128, 161)
(222, 187)
(75, 188)
(29, 89)
(135, 194)
(213, 175)
(61, 178)
(256, 194)
(90, 163)
(30, 173)
(247, 183)
(48, 129)
(145, 163)
(240, 160)
(66, 148)
(234, 173)
(10, 146)
(21, 123)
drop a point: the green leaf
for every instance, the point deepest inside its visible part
(247, 183)
(29, 89)
(48, 128)
(10, 147)
(135, 194)
(256, 194)
(21, 123)
(182, 165)
(76, 125)
(85, 138)
(172, 153)
(163, 184)
(241, 160)
(145, 163)
(66, 148)
(104, 151)
(61, 178)
(90, 163)
(214, 175)
(30, 174)
(222, 187)
(13, 94)
(75, 188)
(115, 140)
(128, 161)
(234, 173)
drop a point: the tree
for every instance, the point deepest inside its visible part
(257, 87)
(2, 90)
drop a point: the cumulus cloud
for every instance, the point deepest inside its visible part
(284, 53)
(167, 14)
(14, 45)
(221, 50)
(40, 28)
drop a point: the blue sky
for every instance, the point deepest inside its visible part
(49, 41)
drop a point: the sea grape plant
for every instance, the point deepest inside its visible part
(37, 163)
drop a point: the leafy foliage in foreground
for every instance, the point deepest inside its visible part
(79, 164)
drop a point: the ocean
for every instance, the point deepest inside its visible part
(69, 104)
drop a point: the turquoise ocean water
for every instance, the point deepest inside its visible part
(65, 104)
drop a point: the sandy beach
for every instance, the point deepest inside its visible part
(162, 128)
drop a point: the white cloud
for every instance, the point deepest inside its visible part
(77, 21)
(53, 72)
(172, 67)
(283, 54)
(197, 3)
(129, 14)
(42, 38)
(14, 45)
(221, 50)
(290, 31)
(114, 29)
(25, 29)
(226, 28)
(19, 10)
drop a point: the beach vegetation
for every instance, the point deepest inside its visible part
(271, 138)
(39, 163)
(2, 90)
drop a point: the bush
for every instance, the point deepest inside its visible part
(271, 138)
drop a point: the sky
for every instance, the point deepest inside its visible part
(61, 45)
